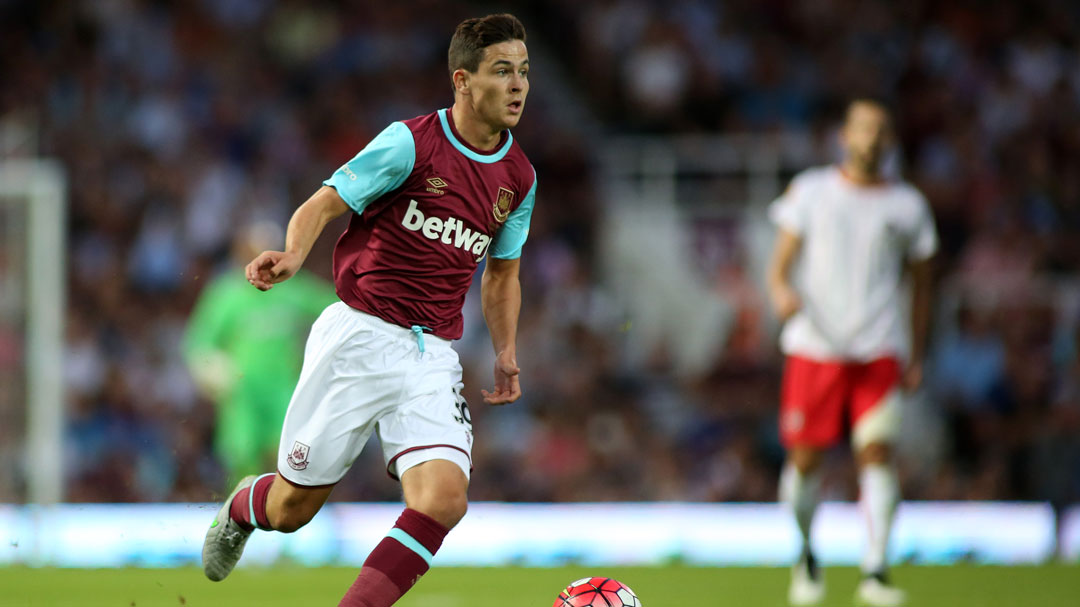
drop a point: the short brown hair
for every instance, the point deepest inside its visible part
(474, 35)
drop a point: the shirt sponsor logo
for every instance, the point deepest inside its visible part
(450, 231)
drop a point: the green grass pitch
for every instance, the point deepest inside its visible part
(960, 586)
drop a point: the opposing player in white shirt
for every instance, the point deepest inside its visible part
(849, 234)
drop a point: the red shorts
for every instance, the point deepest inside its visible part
(819, 399)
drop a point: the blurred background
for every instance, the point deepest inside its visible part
(659, 132)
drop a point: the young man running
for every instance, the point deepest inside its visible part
(430, 198)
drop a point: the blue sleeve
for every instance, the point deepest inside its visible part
(515, 231)
(383, 165)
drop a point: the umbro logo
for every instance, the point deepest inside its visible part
(436, 185)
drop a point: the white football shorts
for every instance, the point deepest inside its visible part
(361, 375)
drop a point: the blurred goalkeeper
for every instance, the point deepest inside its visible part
(850, 349)
(245, 348)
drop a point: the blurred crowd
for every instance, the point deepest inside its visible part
(179, 122)
(987, 101)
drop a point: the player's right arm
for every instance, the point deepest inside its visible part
(785, 300)
(790, 214)
(306, 225)
(382, 166)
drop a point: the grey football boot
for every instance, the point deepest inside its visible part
(225, 539)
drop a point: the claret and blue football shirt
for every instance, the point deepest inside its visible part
(428, 208)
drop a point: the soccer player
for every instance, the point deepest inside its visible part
(244, 350)
(430, 198)
(849, 349)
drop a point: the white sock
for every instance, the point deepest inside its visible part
(880, 493)
(800, 493)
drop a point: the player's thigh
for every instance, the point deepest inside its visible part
(876, 403)
(433, 422)
(349, 380)
(812, 398)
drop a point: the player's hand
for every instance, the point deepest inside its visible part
(507, 388)
(214, 374)
(272, 267)
(785, 302)
(913, 376)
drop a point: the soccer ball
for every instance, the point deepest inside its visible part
(597, 592)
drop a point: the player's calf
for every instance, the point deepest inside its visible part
(263, 502)
(435, 496)
(289, 507)
(398, 562)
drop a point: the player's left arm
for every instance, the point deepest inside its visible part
(920, 254)
(500, 292)
(921, 272)
(305, 226)
(383, 165)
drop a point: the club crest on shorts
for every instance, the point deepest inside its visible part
(298, 456)
(502, 204)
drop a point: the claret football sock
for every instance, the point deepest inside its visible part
(397, 563)
(800, 493)
(880, 494)
(248, 508)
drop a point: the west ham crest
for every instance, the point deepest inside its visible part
(298, 456)
(502, 205)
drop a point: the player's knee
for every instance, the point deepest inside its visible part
(447, 507)
(452, 509)
(805, 460)
(875, 453)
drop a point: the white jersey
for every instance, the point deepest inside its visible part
(855, 239)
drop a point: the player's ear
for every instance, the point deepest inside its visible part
(461, 81)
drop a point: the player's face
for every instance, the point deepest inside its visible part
(501, 83)
(866, 134)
